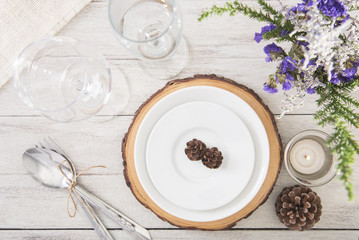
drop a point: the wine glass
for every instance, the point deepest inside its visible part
(152, 31)
(62, 78)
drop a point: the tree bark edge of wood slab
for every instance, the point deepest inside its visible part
(262, 110)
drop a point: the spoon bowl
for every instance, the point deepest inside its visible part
(43, 167)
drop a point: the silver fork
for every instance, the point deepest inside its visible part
(133, 228)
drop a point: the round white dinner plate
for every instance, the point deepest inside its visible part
(190, 184)
(233, 103)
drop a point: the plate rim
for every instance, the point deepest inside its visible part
(159, 199)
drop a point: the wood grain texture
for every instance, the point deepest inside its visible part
(221, 45)
(182, 235)
(22, 199)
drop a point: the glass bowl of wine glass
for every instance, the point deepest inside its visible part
(62, 78)
(152, 31)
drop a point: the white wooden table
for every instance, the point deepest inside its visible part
(220, 45)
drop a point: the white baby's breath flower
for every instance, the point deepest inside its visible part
(351, 4)
(325, 44)
(322, 36)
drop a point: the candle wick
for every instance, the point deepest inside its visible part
(307, 157)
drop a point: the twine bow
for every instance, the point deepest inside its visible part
(73, 183)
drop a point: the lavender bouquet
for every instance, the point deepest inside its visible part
(323, 59)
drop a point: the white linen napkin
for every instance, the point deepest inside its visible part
(24, 21)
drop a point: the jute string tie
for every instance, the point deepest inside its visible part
(72, 186)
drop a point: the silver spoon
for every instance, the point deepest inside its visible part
(133, 228)
(43, 167)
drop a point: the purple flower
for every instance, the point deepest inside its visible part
(350, 72)
(340, 22)
(335, 79)
(332, 8)
(271, 51)
(269, 89)
(308, 2)
(286, 86)
(311, 90)
(310, 63)
(301, 7)
(346, 79)
(272, 48)
(304, 44)
(288, 64)
(293, 9)
(259, 36)
(289, 77)
(268, 28)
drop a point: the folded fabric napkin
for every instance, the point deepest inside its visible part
(24, 21)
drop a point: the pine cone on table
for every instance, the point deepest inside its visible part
(195, 150)
(212, 158)
(298, 207)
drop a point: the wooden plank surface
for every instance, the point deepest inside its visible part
(185, 235)
(23, 199)
(223, 46)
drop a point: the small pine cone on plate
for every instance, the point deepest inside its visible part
(212, 158)
(298, 207)
(195, 150)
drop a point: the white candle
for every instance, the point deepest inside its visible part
(307, 156)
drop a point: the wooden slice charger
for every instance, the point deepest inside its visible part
(275, 145)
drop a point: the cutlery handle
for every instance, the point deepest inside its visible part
(98, 226)
(133, 228)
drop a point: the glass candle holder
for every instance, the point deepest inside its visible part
(309, 160)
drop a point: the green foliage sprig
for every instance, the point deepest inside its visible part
(339, 109)
(236, 7)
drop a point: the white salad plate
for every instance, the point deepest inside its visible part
(226, 100)
(190, 184)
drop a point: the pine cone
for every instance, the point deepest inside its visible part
(195, 150)
(298, 207)
(212, 158)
